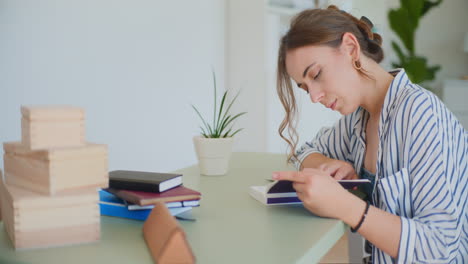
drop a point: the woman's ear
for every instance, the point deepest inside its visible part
(350, 46)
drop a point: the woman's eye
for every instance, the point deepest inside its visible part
(317, 75)
(303, 87)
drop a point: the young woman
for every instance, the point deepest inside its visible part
(393, 132)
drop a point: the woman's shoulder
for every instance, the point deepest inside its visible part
(420, 106)
(415, 99)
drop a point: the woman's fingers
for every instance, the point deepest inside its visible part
(345, 174)
(299, 187)
(341, 174)
(294, 176)
(353, 176)
(330, 169)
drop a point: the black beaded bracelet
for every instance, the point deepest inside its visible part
(354, 230)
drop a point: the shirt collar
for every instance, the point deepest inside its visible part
(399, 81)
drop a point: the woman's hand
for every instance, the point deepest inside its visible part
(320, 193)
(338, 169)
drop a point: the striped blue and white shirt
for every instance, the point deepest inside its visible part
(422, 170)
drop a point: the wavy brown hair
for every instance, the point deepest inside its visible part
(318, 27)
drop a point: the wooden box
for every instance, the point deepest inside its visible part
(54, 170)
(35, 221)
(1, 179)
(52, 126)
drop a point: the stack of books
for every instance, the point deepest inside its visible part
(49, 191)
(132, 194)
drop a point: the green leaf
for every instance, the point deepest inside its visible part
(203, 132)
(223, 123)
(418, 71)
(220, 111)
(398, 51)
(227, 133)
(428, 5)
(237, 131)
(414, 8)
(232, 102)
(400, 23)
(210, 130)
(204, 122)
(396, 65)
(215, 98)
(229, 120)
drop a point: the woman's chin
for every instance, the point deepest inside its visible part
(345, 111)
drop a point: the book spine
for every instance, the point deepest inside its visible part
(283, 200)
(134, 186)
(123, 212)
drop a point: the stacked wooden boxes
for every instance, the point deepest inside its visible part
(1, 179)
(49, 193)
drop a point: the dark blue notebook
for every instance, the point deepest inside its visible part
(286, 186)
(282, 192)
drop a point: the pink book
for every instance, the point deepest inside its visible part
(177, 194)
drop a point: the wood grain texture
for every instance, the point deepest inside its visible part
(56, 170)
(34, 221)
(52, 126)
(52, 112)
(51, 134)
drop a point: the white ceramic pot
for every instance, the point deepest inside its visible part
(213, 154)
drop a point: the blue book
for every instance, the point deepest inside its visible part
(188, 203)
(111, 205)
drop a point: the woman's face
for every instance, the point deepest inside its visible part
(327, 74)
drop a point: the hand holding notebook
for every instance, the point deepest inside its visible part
(321, 193)
(282, 191)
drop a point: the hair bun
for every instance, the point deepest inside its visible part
(367, 21)
(377, 38)
(374, 37)
(333, 7)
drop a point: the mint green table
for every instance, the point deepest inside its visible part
(231, 227)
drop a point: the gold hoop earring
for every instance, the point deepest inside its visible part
(357, 65)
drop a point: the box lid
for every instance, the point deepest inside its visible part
(22, 199)
(17, 148)
(52, 112)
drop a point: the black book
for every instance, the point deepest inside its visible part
(144, 181)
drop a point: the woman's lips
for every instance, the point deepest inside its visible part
(333, 105)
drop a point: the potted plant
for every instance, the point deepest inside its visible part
(214, 146)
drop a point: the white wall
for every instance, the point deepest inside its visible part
(245, 67)
(440, 39)
(135, 66)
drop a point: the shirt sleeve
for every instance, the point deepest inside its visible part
(436, 163)
(332, 142)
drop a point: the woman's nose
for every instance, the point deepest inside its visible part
(316, 96)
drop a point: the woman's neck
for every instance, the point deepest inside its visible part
(375, 90)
